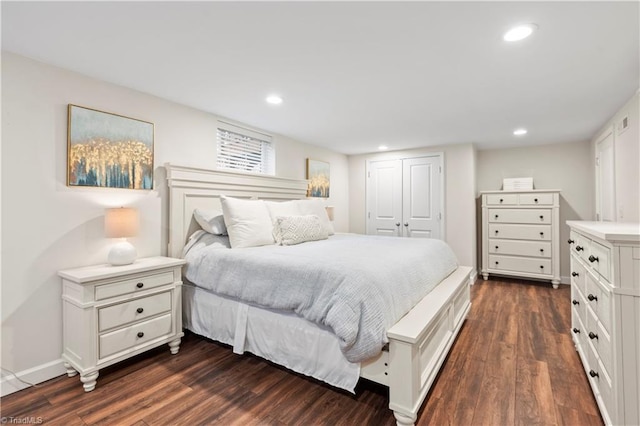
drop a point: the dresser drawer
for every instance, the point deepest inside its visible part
(578, 304)
(520, 248)
(137, 334)
(599, 259)
(135, 310)
(528, 216)
(578, 275)
(520, 264)
(536, 199)
(132, 285)
(581, 246)
(599, 299)
(502, 199)
(520, 232)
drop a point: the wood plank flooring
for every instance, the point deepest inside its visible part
(513, 364)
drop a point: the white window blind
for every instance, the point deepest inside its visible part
(245, 150)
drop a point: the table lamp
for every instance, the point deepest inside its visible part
(121, 223)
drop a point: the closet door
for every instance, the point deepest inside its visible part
(384, 198)
(421, 182)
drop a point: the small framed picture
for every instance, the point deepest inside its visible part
(318, 176)
(108, 150)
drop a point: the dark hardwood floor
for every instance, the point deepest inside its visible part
(513, 363)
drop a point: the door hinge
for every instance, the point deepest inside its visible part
(369, 215)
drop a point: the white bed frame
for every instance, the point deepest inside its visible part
(418, 343)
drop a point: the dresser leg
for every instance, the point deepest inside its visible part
(174, 346)
(89, 381)
(555, 284)
(70, 370)
(485, 276)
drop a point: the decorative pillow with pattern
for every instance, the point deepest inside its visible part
(290, 230)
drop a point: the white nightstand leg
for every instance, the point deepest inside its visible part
(555, 284)
(70, 371)
(89, 381)
(174, 346)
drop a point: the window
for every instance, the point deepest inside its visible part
(244, 150)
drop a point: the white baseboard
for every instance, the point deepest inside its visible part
(565, 280)
(41, 373)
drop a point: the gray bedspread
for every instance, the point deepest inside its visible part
(357, 285)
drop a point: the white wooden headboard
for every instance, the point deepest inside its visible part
(191, 188)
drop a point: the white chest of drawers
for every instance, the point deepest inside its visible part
(605, 314)
(111, 313)
(520, 234)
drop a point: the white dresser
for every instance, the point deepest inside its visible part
(605, 320)
(520, 234)
(111, 313)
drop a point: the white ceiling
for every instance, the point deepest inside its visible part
(356, 75)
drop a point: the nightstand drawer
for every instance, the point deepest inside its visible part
(127, 338)
(529, 216)
(502, 199)
(133, 285)
(135, 310)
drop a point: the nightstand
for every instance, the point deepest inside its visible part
(111, 313)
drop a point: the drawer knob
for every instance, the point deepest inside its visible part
(570, 241)
(576, 330)
(496, 216)
(139, 310)
(591, 297)
(541, 266)
(496, 262)
(593, 374)
(501, 200)
(140, 334)
(542, 234)
(541, 250)
(496, 247)
(593, 258)
(406, 224)
(496, 232)
(579, 248)
(575, 302)
(140, 285)
(541, 217)
(592, 335)
(397, 223)
(535, 200)
(574, 274)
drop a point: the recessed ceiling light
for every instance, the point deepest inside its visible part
(520, 132)
(520, 32)
(383, 148)
(274, 99)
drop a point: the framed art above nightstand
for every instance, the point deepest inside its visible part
(111, 313)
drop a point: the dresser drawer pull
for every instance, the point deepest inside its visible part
(575, 302)
(594, 374)
(542, 234)
(496, 232)
(140, 335)
(592, 335)
(535, 200)
(541, 266)
(541, 217)
(541, 250)
(575, 274)
(591, 297)
(570, 241)
(496, 262)
(140, 285)
(579, 248)
(576, 330)
(496, 247)
(592, 259)
(397, 223)
(496, 216)
(501, 200)
(139, 310)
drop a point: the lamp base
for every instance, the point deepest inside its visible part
(122, 253)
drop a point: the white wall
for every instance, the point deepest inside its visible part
(627, 160)
(565, 166)
(460, 194)
(47, 226)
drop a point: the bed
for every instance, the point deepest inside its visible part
(418, 342)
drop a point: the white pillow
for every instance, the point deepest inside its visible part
(284, 208)
(248, 222)
(211, 221)
(290, 230)
(316, 207)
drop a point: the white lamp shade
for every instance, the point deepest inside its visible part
(121, 222)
